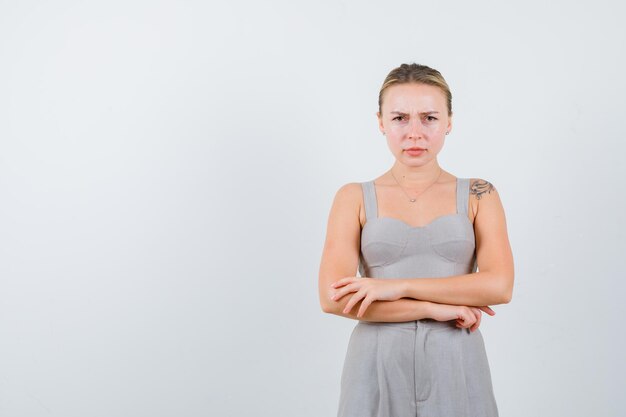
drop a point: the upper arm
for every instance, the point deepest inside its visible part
(340, 257)
(493, 250)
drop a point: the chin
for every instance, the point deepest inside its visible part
(414, 162)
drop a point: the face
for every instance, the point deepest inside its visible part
(414, 116)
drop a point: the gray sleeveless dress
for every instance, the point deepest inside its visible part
(420, 368)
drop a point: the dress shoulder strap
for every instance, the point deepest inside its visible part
(369, 199)
(462, 195)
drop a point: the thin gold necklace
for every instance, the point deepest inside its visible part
(412, 200)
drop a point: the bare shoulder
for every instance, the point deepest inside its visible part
(485, 199)
(348, 201)
(351, 189)
(350, 195)
(480, 187)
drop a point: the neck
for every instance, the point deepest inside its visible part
(416, 176)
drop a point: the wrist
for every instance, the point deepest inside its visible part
(409, 288)
(404, 287)
(429, 309)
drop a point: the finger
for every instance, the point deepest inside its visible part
(346, 290)
(462, 321)
(475, 318)
(469, 320)
(488, 310)
(478, 319)
(364, 305)
(355, 299)
(341, 282)
(344, 281)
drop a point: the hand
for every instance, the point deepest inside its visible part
(478, 313)
(368, 289)
(466, 317)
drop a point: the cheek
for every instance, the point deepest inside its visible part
(395, 130)
(438, 144)
(435, 129)
(394, 145)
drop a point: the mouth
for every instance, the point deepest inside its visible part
(415, 151)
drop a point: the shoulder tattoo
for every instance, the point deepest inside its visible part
(480, 187)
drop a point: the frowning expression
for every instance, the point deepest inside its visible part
(414, 116)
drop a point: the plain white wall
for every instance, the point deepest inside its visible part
(167, 168)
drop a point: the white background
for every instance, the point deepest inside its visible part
(167, 168)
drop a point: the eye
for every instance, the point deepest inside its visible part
(398, 118)
(431, 118)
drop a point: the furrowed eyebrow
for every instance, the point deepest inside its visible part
(424, 112)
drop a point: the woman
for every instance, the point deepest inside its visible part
(433, 253)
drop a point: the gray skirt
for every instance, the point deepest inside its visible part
(422, 368)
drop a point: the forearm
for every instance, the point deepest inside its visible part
(476, 289)
(404, 309)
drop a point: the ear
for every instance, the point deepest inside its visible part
(380, 123)
(449, 128)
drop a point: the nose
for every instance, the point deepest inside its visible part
(415, 128)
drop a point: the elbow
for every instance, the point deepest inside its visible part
(506, 297)
(328, 306)
(325, 307)
(497, 298)
(327, 310)
(500, 290)
(506, 293)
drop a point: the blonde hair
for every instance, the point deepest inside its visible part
(416, 73)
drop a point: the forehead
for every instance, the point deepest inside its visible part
(413, 97)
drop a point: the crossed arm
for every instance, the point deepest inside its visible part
(476, 289)
(493, 284)
(396, 299)
(404, 309)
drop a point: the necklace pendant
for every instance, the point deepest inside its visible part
(412, 200)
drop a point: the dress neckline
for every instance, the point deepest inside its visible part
(407, 225)
(425, 226)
